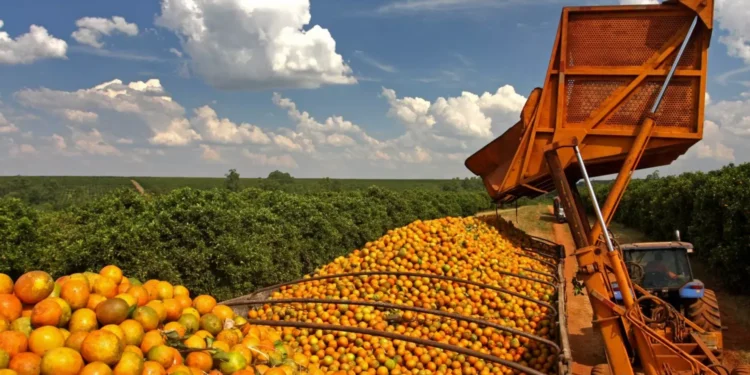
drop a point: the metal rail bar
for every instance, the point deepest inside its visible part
(403, 307)
(542, 273)
(394, 336)
(425, 275)
(597, 211)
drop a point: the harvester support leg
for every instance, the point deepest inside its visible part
(614, 339)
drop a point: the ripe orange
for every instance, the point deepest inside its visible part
(4, 325)
(112, 311)
(195, 342)
(111, 272)
(75, 340)
(123, 286)
(26, 363)
(96, 368)
(204, 303)
(200, 360)
(172, 308)
(164, 290)
(158, 306)
(129, 364)
(223, 312)
(6, 284)
(46, 313)
(151, 287)
(10, 307)
(95, 300)
(4, 359)
(184, 301)
(132, 301)
(140, 293)
(190, 322)
(133, 332)
(75, 293)
(61, 361)
(83, 320)
(102, 346)
(147, 316)
(106, 287)
(180, 290)
(44, 339)
(151, 339)
(114, 328)
(211, 323)
(66, 311)
(175, 326)
(153, 368)
(161, 354)
(33, 286)
(133, 349)
(228, 336)
(178, 359)
(246, 371)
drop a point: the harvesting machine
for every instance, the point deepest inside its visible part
(624, 90)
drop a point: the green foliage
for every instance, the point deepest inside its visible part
(232, 181)
(711, 210)
(214, 241)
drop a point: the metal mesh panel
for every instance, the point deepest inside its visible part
(584, 96)
(678, 109)
(596, 39)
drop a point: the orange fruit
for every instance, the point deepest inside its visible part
(46, 313)
(195, 342)
(161, 354)
(10, 307)
(23, 325)
(26, 363)
(106, 287)
(6, 284)
(129, 364)
(191, 311)
(211, 323)
(92, 278)
(184, 301)
(172, 308)
(147, 316)
(151, 339)
(204, 303)
(102, 346)
(133, 349)
(75, 340)
(151, 287)
(228, 336)
(96, 368)
(177, 327)
(239, 348)
(83, 320)
(180, 290)
(66, 311)
(75, 293)
(190, 322)
(114, 328)
(75, 276)
(111, 272)
(245, 371)
(221, 345)
(153, 368)
(61, 361)
(123, 286)
(179, 370)
(203, 334)
(4, 325)
(140, 293)
(44, 339)
(4, 359)
(112, 311)
(33, 286)
(65, 333)
(95, 300)
(224, 312)
(133, 332)
(178, 360)
(158, 306)
(164, 290)
(199, 360)
(132, 301)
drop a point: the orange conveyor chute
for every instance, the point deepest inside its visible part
(607, 66)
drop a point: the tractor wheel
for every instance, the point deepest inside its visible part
(705, 312)
(741, 370)
(603, 369)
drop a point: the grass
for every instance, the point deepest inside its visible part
(535, 220)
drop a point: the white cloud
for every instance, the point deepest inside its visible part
(146, 101)
(7, 126)
(284, 161)
(732, 16)
(59, 142)
(35, 45)
(175, 52)
(124, 141)
(93, 143)
(286, 143)
(374, 63)
(237, 44)
(210, 153)
(421, 6)
(412, 112)
(225, 131)
(419, 155)
(75, 115)
(91, 29)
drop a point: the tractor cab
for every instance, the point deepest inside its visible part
(663, 269)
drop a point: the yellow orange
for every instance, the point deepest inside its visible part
(33, 286)
(140, 293)
(61, 361)
(112, 272)
(102, 346)
(164, 290)
(133, 349)
(95, 300)
(96, 368)
(133, 332)
(223, 312)
(199, 360)
(46, 313)
(44, 339)
(151, 339)
(158, 306)
(106, 287)
(180, 290)
(76, 293)
(116, 330)
(83, 320)
(147, 316)
(6, 284)
(26, 363)
(10, 307)
(153, 368)
(204, 303)
(129, 364)
(75, 340)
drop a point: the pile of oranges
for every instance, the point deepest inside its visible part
(98, 324)
(461, 248)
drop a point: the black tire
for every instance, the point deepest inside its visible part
(601, 369)
(705, 312)
(741, 370)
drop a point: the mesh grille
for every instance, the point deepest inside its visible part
(584, 96)
(596, 39)
(678, 109)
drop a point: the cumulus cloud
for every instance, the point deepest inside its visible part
(93, 143)
(711, 147)
(282, 161)
(732, 16)
(236, 44)
(91, 29)
(210, 153)
(21, 150)
(75, 115)
(175, 52)
(35, 45)
(6, 126)
(124, 141)
(145, 100)
(214, 129)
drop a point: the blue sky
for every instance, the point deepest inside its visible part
(360, 89)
